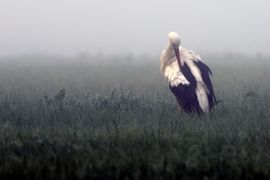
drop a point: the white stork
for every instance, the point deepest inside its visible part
(189, 78)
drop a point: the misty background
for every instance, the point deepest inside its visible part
(69, 27)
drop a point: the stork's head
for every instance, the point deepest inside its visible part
(174, 41)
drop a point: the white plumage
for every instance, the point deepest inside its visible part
(186, 74)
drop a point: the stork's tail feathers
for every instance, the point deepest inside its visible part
(218, 101)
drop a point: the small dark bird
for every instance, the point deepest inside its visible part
(250, 94)
(189, 78)
(60, 95)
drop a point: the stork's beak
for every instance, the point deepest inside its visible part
(176, 51)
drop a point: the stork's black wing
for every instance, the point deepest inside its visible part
(206, 73)
(186, 94)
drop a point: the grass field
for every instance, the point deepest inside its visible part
(118, 120)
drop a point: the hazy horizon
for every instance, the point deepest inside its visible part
(68, 27)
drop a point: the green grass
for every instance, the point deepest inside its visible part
(118, 119)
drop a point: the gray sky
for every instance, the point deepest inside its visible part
(141, 26)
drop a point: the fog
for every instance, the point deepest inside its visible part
(68, 27)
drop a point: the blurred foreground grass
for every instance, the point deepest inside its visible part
(115, 118)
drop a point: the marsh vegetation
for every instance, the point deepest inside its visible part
(115, 118)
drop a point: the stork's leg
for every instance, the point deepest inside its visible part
(180, 106)
(180, 109)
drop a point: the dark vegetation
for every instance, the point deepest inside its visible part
(115, 118)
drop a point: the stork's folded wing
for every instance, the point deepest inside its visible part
(174, 76)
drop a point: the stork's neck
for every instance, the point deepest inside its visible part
(170, 50)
